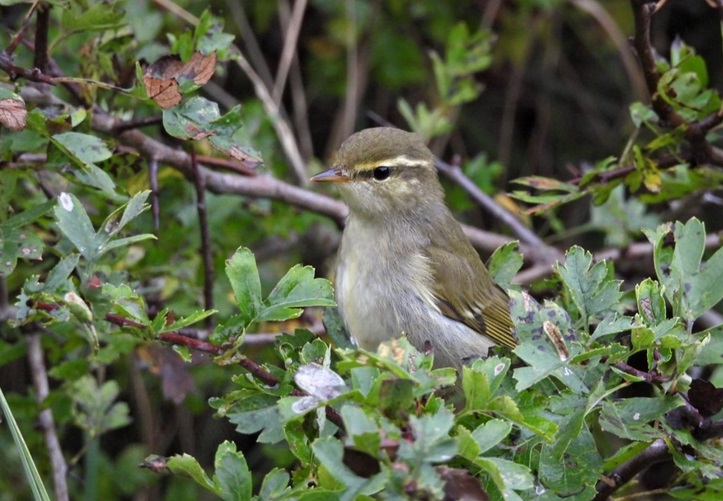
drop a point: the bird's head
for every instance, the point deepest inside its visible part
(385, 171)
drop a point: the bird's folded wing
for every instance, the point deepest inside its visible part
(464, 291)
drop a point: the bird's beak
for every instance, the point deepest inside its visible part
(333, 175)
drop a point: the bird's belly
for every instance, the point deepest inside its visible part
(378, 304)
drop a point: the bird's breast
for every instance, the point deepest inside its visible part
(381, 288)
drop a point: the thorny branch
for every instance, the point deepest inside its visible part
(254, 368)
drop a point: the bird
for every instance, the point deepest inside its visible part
(405, 267)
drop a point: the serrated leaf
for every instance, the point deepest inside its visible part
(187, 466)
(691, 287)
(232, 477)
(127, 212)
(579, 470)
(592, 287)
(612, 324)
(296, 290)
(630, 418)
(254, 413)
(274, 485)
(244, 277)
(505, 263)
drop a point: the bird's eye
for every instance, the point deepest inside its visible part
(381, 173)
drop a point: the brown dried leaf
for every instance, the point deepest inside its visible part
(166, 68)
(163, 91)
(199, 68)
(161, 78)
(13, 114)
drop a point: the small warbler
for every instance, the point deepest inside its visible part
(405, 267)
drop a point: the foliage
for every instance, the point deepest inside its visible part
(129, 108)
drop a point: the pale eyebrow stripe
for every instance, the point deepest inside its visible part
(391, 162)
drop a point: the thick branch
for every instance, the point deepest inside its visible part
(656, 453)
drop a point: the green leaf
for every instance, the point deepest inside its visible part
(578, 471)
(296, 290)
(612, 324)
(209, 34)
(199, 118)
(275, 483)
(330, 453)
(232, 476)
(713, 354)
(187, 466)
(75, 224)
(507, 475)
(130, 210)
(127, 303)
(85, 151)
(191, 319)
(256, 412)
(712, 490)
(592, 288)
(244, 277)
(28, 216)
(481, 380)
(124, 242)
(95, 409)
(629, 418)
(433, 442)
(18, 243)
(491, 433)
(335, 329)
(58, 276)
(505, 263)
(691, 287)
(93, 17)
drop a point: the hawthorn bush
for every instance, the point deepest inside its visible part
(153, 188)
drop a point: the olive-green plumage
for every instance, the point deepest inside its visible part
(405, 266)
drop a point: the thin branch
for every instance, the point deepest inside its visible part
(42, 26)
(155, 193)
(206, 254)
(611, 28)
(527, 236)
(47, 423)
(139, 123)
(251, 44)
(292, 28)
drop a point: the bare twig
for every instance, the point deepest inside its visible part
(47, 423)
(206, 254)
(251, 44)
(608, 24)
(527, 236)
(42, 25)
(288, 53)
(137, 124)
(155, 193)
